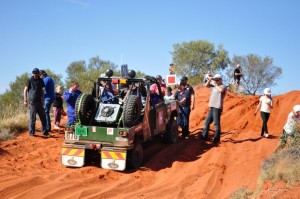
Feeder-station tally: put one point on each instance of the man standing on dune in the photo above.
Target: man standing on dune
(215, 104)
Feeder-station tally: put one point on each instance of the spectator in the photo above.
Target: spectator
(183, 96)
(34, 98)
(57, 107)
(206, 76)
(291, 125)
(169, 94)
(154, 87)
(184, 79)
(237, 74)
(108, 94)
(265, 102)
(172, 69)
(49, 96)
(70, 96)
(215, 105)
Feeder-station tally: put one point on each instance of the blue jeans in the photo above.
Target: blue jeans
(47, 107)
(183, 120)
(37, 108)
(214, 115)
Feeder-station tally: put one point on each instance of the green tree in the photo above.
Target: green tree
(85, 75)
(195, 58)
(258, 72)
(12, 101)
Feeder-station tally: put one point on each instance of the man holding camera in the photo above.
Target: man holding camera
(215, 104)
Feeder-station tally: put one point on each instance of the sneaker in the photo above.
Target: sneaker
(267, 135)
(46, 135)
(56, 127)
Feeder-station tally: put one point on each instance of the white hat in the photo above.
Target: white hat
(267, 91)
(217, 76)
(102, 75)
(238, 65)
(296, 108)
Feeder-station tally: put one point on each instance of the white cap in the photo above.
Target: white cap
(267, 91)
(217, 76)
(102, 75)
(238, 65)
(296, 108)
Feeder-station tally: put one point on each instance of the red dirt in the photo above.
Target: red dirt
(30, 167)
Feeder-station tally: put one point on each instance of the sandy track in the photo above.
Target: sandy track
(30, 166)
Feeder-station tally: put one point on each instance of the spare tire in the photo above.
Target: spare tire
(85, 108)
(132, 110)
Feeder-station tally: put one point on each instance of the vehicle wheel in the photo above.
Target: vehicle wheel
(132, 110)
(171, 134)
(85, 108)
(135, 157)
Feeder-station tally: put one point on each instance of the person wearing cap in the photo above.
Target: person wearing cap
(70, 96)
(34, 99)
(237, 74)
(49, 96)
(188, 87)
(265, 104)
(291, 125)
(215, 105)
(184, 97)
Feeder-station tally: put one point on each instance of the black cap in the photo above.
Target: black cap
(169, 89)
(42, 72)
(184, 78)
(158, 77)
(35, 71)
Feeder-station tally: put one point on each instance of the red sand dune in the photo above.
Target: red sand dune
(30, 166)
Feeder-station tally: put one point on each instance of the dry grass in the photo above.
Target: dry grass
(10, 126)
(242, 193)
(283, 166)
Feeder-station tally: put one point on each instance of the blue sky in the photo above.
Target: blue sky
(53, 33)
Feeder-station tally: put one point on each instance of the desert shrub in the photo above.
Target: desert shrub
(242, 193)
(10, 126)
(283, 166)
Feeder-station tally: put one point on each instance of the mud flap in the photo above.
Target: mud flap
(72, 157)
(113, 160)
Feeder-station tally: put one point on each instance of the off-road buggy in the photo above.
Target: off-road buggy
(116, 125)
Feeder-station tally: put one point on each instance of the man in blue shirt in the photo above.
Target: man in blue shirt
(70, 96)
(49, 96)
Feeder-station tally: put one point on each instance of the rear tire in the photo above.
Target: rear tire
(135, 157)
(171, 134)
(85, 108)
